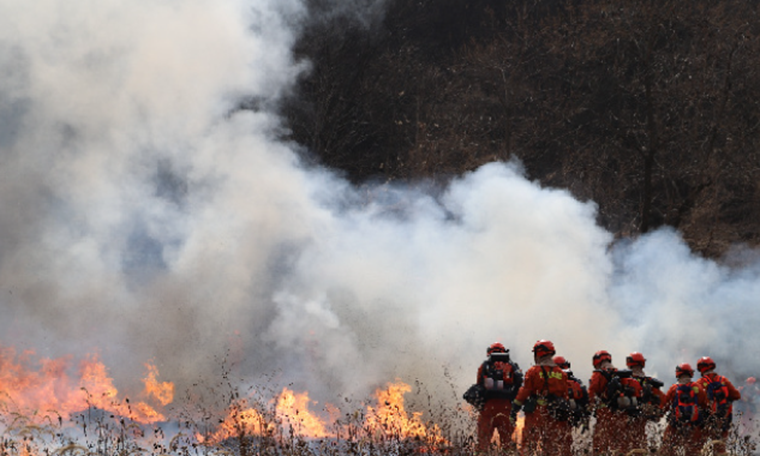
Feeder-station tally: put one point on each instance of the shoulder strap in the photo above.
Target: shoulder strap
(546, 379)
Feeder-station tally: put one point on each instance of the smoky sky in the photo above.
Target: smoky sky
(144, 217)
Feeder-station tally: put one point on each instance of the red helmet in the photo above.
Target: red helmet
(543, 348)
(751, 380)
(705, 364)
(635, 359)
(600, 357)
(561, 362)
(684, 369)
(496, 347)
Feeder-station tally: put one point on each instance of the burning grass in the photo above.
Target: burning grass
(48, 412)
(284, 425)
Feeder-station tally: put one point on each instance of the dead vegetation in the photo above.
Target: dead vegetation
(650, 109)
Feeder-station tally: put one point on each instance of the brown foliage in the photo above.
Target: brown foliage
(649, 108)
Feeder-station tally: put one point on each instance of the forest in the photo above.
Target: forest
(647, 108)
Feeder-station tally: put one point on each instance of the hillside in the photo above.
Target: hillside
(650, 109)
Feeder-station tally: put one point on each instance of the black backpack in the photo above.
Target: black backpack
(685, 410)
(717, 397)
(475, 396)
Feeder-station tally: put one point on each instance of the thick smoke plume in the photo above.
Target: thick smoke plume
(144, 216)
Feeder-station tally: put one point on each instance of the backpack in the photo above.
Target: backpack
(475, 396)
(648, 386)
(650, 401)
(717, 397)
(578, 399)
(501, 378)
(623, 392)
(685, 409)
(575, 390)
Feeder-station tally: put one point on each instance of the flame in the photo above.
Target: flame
(291, 409)
(519, 426)
(44, 389)
(294, 408)
(163, 391)
(241, 420)
(390, 417)
(50, 388)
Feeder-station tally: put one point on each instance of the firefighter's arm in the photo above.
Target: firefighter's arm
(597, 386)
(733, 393)
(701, 396)
(659, 395)
(517, 404)
(517, 375)
(525, 391)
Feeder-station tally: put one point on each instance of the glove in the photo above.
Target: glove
(516, 407)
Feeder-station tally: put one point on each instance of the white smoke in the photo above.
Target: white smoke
(144, 216)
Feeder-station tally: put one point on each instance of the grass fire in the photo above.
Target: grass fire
(47, 410)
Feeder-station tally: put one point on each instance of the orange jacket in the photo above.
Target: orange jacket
(655, 395)
(733, 393)
(670, 396)
(542, 381)
(597, 388)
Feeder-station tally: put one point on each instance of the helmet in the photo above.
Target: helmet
(496, 347)
(635, 359)
(684, 369)
(600, 357)
(751, 380)
(561, 362)
(543, 348)
(705, 364)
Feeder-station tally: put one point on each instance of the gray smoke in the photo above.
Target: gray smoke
(144, 217)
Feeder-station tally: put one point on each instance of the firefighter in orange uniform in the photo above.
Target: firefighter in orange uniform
(683, 403)
(747, 405)
(544, 400)
(500, 378)
(721, 394)
(577, 395)
(614, 398)
(650, 404)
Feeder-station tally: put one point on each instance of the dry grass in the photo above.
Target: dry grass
(94, 432)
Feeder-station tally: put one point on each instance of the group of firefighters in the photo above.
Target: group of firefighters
(622, 402)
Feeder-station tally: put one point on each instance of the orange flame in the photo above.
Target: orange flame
(294, 408)
(37, 388)
(162, 391)
(291, 409)
(391, 418)
(519, 426)
(241, 420)
(50, 389)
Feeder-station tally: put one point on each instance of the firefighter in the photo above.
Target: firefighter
(613, 396)
(650, 404)
(721, 394)
(683, 404)
(746, 407)
(500, 378)
(577, 395)
(544, 400)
